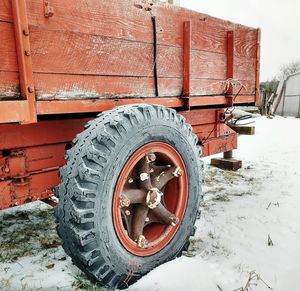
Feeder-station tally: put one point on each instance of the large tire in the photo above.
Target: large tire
(87, 191)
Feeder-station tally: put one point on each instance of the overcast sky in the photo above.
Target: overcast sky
(278, 20)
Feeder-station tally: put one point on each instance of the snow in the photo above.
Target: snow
(237, 217)
(240, 210)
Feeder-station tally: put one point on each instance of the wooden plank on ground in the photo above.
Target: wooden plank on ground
(243, 129)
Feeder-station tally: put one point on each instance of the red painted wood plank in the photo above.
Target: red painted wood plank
(244, 68)
(51, 86)
(8, 59)
(56, 52)
(5, 10)
(9, 85)
(121, 19)
(245, 42)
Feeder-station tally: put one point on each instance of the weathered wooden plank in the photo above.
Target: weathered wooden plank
(121, 19)
(245, 42)
(243, 130)
(244, 68)
(8, 56)
(9, 85)
(226, 164)
(56, 86)
(5, 10)
(52, 86)
(116, 42)
(73, 53)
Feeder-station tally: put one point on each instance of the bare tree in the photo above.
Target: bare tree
(289, 69)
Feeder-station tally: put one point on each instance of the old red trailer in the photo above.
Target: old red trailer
(161, 78)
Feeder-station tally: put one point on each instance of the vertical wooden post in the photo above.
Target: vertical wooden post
(186, 63)
(24, 58)
(230, 59)
(257, 84)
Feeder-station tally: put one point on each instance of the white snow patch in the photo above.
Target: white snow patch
(232, 236)
(239, 211)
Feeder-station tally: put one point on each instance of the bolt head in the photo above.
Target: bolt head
(144, 177)
(150, 158)
(124, 202)
(142, 242)
(30, 89)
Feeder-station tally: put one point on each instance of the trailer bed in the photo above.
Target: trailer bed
(97, 51)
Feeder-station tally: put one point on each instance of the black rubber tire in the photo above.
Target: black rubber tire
(84, 211)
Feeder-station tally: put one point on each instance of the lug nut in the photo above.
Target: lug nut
(173, 220)
(144, 177)
(150, 158)
(178, 172)
(127, 212)
(124, 202)
(142, 242)
(130, 181)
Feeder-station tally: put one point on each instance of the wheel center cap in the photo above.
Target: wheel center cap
(153, 198)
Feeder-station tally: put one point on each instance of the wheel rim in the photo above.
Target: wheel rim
(150, 199)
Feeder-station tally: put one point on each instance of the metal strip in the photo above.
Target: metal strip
(230, 59)
(155, 55)
(257, 89)
(186, 64)
(27, 89)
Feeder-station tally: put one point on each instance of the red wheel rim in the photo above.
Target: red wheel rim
(150, 199)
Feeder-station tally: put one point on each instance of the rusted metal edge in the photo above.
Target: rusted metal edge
(27, 89)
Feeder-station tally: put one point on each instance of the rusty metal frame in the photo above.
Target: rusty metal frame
(29, 164)
(19, 12)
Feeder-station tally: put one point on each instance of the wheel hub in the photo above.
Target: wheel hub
(153, 198)
(150, 198)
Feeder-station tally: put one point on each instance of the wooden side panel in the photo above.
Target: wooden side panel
(122, 19)
(104, 49)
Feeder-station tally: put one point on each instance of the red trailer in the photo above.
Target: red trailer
(161, 78)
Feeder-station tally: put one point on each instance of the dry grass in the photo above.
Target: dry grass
(26, 233)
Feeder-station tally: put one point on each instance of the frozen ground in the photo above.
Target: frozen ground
(241, 210)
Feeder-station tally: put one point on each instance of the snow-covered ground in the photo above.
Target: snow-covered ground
(250, 226)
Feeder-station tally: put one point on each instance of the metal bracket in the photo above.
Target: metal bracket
(48, 9)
